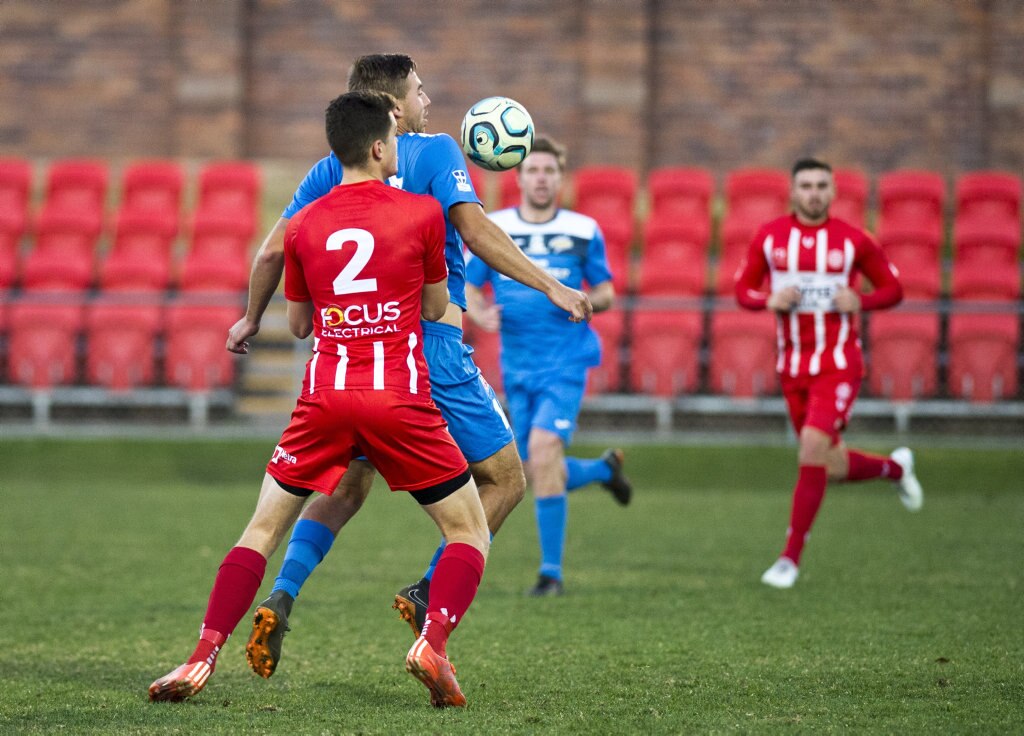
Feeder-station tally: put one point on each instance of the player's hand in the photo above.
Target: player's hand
(487, 319)
(847, 300)
(241, 331)
(576, 303)
(784, 300)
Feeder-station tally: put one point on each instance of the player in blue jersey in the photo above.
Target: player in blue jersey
(544, 358)
(434, 165)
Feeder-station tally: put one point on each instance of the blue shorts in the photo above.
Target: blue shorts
(467, 402)
(549, 400)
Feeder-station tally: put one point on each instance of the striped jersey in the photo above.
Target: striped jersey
(361, 254)
(814, 338)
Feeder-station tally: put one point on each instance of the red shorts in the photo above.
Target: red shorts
(403, 435)
(823, 402)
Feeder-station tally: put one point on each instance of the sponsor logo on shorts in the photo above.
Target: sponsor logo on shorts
(843, 393)
(281, 455)
(562, 424)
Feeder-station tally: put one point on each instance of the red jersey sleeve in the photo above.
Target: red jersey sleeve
(873, 263)
(295, 288)
(435, 268)
(751, 276)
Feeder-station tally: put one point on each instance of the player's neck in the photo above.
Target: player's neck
(353, 175)
(810, 221)
(537, 215)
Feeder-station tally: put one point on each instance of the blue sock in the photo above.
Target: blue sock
(579, 472)
(309, 544)
(429, 574)
(552, 514)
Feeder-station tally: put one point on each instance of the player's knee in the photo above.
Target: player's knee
(814, 446)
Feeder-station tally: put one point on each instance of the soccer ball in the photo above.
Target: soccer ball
(497, 133)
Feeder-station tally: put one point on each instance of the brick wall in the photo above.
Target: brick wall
(643, 83)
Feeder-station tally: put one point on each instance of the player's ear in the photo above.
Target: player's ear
(377, 150)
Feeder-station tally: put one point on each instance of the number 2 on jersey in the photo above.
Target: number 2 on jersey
(346, 282)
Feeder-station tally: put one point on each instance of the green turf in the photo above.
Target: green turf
(900, 623)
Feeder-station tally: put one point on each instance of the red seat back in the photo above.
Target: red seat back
(681, 193)
(902, 362)
(991, 242)
(607, 377)
(978, 280)
(665, 353)
(988, 195)
(756, 195)
(15, 194)
(911, 196)
(851, 200)
(743, 354)
(43, 343)
(121, 344)
(983, 356)
(674, 258)
(195, 357)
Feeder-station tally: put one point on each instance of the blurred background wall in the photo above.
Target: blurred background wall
(643, 83)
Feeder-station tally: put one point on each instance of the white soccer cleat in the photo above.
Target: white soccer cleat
(909, 487)
(782, 574)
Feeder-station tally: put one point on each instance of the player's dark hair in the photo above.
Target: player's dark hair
(804, 164)
(549, 145)
(355, 120)
(381, 72)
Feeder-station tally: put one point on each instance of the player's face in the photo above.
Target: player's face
(389, 161)
(414, 106)
(540, 180)
(812, 193)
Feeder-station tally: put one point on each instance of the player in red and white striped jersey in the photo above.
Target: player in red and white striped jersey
(364, 264)
(812, 263)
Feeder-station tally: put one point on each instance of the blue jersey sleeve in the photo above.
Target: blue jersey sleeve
(595, 269)
(449, 181)
(322, 178)
(478, 273)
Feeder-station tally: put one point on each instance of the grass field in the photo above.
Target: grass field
(900, 623)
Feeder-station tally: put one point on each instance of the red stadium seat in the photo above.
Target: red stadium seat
(988, 196)
(608, 194)
(121, 344)
(915, 250)
(665, 355)
(486, 353)
(610, 328)
(64, 253)
(681, 193)
(737, 235)
(15, 194)
(674, 260)
(911, 196)
(77, 185)
(977, 280)
(903, 360)
(10, 245)
(756, 195)
(154, 188)
(725, 272)
(850, 203)
(994, 243)
(218, 256)
(42, 342)
(983, 356)
(140, 258)
(230, 189)
(195, 358)
(213, 274)
(743, 354)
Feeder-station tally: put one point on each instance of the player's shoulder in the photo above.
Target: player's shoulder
(421, 203)
(847, 230)
(428, 142)
(505, 218)
(576, 223)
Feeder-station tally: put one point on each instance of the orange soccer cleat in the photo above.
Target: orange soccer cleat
(183, 682)
(437, 673)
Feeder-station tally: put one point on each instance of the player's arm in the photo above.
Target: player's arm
(491, 244)
(267, 267)
(887, 290)
(435, 300)
(300, 318)
(602, 296)
(268, 263)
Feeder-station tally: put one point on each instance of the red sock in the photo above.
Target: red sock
(234, 590)
(807, 496)
(865, 467)
(452, 589)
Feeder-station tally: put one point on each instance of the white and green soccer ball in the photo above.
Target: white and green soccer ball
(497, 133)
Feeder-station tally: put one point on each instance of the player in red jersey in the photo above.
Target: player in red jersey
(812, 263)
(364, 264)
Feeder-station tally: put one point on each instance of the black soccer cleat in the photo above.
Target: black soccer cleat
(546, 585)
(269, 625)
(411, 604)
(619, 484)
